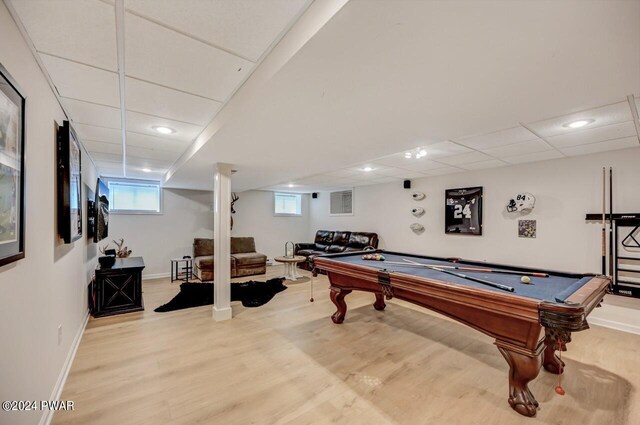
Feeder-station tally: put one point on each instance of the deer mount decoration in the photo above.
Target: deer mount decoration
(121, 252)
(234, 198)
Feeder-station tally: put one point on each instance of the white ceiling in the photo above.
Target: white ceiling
(478, 84)
(613, 128)
(182, 62)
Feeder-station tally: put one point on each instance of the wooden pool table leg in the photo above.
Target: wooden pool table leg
(337, 297)
(555, 340)
(523, 368)
(379, 304)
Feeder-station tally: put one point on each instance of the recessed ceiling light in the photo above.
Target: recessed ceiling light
(578, 124)
(408, 155)
(163, 130)
(290, 185)
(146, 170)
(423, 152)
(367, 169)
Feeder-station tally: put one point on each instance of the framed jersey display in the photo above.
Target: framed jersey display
(463, 211)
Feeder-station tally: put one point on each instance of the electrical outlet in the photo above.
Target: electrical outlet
(59, 334)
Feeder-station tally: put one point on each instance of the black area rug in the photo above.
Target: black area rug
(252, 294)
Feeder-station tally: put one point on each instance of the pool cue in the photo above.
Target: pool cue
(475, 279)
(463, 276)
(610, 221)
(479, 269)
(604, 222)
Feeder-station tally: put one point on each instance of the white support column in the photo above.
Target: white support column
(222, 242)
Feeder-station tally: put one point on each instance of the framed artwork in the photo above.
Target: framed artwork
(527, 228)
(463, 211)
(12, 200)
(69, 184)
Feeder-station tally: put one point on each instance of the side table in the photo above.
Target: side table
(181, 272)
(290, 272)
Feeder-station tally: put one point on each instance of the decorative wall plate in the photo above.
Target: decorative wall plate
(418, 196)
(417, 228)
(418, 211)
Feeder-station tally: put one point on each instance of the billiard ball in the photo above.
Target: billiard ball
(525, 279)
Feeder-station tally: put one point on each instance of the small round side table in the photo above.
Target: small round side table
(290, 272)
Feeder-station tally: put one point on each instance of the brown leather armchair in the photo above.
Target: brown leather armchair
(333, 242)
(245, 261)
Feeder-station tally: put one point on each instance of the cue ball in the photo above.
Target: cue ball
(525, 279)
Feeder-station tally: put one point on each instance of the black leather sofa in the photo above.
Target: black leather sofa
(333, 242)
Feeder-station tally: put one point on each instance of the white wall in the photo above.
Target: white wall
(254, 217)
(565, 190)
(186, 214)
(48, 287)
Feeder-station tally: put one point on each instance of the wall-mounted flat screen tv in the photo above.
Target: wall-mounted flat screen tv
(69, 184)
(101, 208)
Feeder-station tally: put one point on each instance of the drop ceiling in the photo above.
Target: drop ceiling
(612, 128)
(182, 61)
(309, 93)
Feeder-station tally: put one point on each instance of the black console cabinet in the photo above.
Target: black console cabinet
(118, 289)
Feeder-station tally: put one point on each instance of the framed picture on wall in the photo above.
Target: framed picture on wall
(69, 184)
(463, 211)
(12, 201)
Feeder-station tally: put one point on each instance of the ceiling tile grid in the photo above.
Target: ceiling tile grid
(609, 128)
(182, 60)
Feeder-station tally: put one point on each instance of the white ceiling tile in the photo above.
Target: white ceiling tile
(84, 31)
(104, 157)
(443, 171)
(154, 142)
(134, 161)
(593, 135)
(499, 138)
(530, 146)
(98, 134)
(444, 149)
(533, 157)
(482, 165)
(245, 27)
(605, 115)
(342, 173)
(395, 160)
(465, 158)
(414, 175)
(152, 153)
(142, 123)
(168, 103)
(624, 143)
(92, 114)
(422, 164)
(101, 147)
(393, 172)
(83, 82)
(162, 56)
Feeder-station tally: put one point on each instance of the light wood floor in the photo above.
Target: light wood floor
(287, 363)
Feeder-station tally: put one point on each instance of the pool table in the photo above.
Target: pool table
(557, 304)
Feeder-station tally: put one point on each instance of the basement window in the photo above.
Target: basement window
(129, 196)
(287, 204)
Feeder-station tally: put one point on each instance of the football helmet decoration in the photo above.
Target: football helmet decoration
(522, 202)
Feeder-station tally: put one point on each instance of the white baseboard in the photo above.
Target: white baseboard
(619, 326)
(155, 276)
(47, 416)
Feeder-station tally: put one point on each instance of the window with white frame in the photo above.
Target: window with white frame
(341, 203)
(129, 196)
(287, 204)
